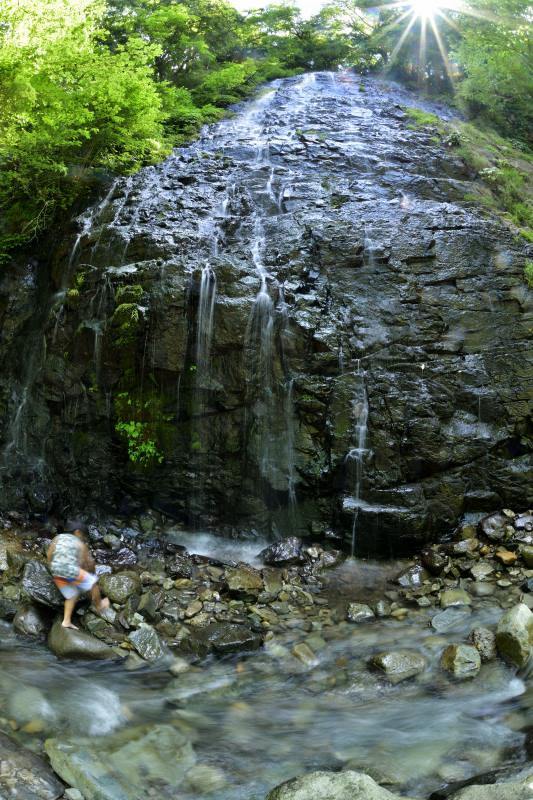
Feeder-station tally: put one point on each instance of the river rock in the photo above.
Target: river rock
(434, 561)
(454, 597)
(283, 553)
(24, 775)
(484, 640)
(31, 621)
(244, 580)
(28, 704)
(8, 608)
(70, 643)
(521, 790)
(493, 526)
(147, 643)
(39, 585)
(481, 570)
(413, 577)
(180, 566)
(222, 638)
(331, 786)
(121, 586)
(514, 635)
(506, 557)
(451, 619)
(462, 660)
(359, 612)
(124, 766)
(526, 551)
(399, 665)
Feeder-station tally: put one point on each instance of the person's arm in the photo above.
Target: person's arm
(51, 550)
(87, 561)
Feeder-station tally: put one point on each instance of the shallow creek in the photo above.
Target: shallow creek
(264, 718)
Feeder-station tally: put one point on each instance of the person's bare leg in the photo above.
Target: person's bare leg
(70, 605)
(100, 603)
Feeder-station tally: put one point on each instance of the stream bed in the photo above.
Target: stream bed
(239, 725)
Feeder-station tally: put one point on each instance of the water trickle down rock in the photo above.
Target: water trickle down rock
(363, 223)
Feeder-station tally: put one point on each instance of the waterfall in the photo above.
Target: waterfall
(357, 454)
(204, 323)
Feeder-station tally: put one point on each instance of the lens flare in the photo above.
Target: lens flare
(425, 9)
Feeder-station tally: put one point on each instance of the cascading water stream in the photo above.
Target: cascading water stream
(357, 454)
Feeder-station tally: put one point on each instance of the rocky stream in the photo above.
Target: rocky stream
(324, 574)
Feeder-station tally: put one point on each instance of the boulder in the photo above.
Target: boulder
(121, 586)
(451, 619)
(484, 640)
(70, 643)
(31, 621)
(454, 597)
(359, 612)
(331, 786)
(28, 704)
(125, 765)
(244, 580)
(39, 585)
(222, 638)
(8, 608)
(461, 660)
(413, 577)
(180, 566)
(434, 561)
(514, 635)
(286, 551)
(517, 790)
(399, 665)
(526, 551)
(493, 526)
(25, 776)
(147, 643)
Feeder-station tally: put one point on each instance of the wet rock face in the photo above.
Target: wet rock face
(322, 325)
(69, 643)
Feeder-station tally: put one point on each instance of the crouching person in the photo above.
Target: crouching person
(73, 568)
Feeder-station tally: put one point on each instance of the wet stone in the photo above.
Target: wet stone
(31, 621)
(223, 638)
(39, 585)
(24, 775)
(434, 561)
(493, 526)
(244, 580)
(399, 665)
(346, 785)
(462, 660)
(484, 640)
(283, 553)
(147, 643)
(506, 557)
(451, 619)
(69, 643)
(121, 586)
(526, 552)
(514, 635)
(413, 577)
(481, 570)
(455, 597)
(359, 612)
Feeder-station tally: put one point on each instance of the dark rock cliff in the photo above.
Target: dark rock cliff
(303, 317)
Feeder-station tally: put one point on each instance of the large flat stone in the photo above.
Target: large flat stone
(69, 643)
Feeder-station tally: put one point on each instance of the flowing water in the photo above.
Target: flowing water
(267, 717)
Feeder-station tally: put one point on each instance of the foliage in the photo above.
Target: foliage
(528, 273)
(496, 56)
(505, 169)
(137, 423)
(92, 87)
(141, 448)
